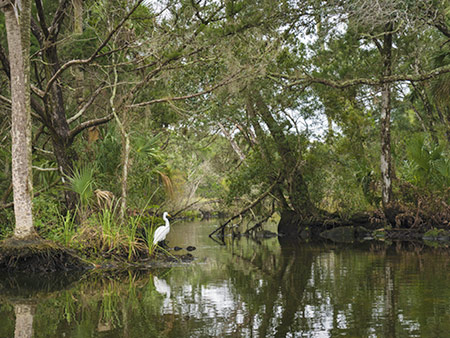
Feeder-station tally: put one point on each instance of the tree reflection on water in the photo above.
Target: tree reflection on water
(248, 288)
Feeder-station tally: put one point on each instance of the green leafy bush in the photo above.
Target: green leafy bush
(427, 164)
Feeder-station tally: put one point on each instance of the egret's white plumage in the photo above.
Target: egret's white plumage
(162, 231)
(161, 286)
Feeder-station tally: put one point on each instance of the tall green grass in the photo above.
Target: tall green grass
(111, 228)
(68, 222)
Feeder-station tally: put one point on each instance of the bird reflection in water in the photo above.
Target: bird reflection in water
(163, 288)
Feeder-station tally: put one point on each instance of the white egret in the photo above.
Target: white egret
(162, 231)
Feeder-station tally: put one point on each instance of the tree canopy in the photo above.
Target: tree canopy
(313, 107)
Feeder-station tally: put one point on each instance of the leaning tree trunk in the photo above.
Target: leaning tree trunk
(297, 189)
(17, 20)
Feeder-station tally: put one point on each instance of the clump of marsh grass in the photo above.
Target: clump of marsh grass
(68, 227)
(103, 233)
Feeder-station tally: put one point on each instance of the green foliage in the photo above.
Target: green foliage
(427, 165)
(149, 171)
(107, 152)
(339, 182)
(149, 234)
(107, 222)
(81, 46)
(46, 216)
(178, 152)
(251, 178)
(436, 234)
(68, 227)
(133, 223)
(45, 178)
(82, 182)
(6, 223)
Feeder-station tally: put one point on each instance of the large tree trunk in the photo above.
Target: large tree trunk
(260, 143)
(18, 35)
(386, 163)
(65, 155)
(297, 189)
(59, 127)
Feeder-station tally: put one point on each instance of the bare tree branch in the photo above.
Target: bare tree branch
(233, 143)
(57, 20)
(86, 105)
(37, 32)
(94, 55)
(92, 123)
(185, 97)
(41, 19)
(247, 208)
(44, 169)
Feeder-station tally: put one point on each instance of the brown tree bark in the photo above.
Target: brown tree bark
(258, 140)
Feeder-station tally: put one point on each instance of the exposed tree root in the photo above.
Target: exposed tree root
(36, 255)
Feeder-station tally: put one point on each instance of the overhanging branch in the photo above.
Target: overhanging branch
(185, 97)
(342, 84)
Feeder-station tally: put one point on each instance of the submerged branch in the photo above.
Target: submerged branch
(247, 208)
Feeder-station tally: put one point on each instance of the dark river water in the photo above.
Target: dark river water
(245, 288)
